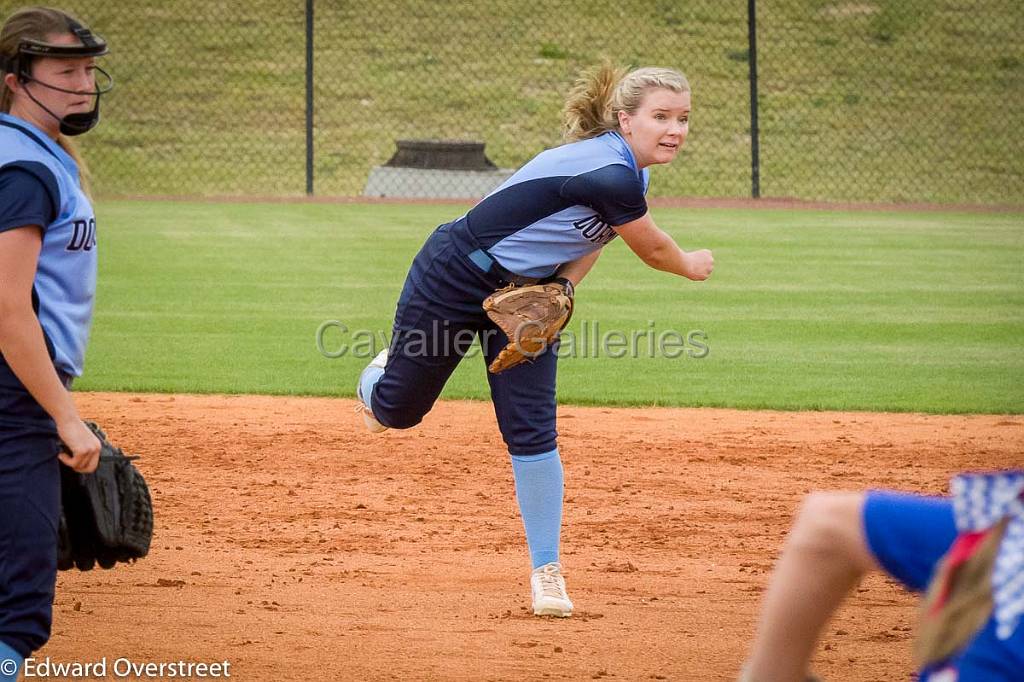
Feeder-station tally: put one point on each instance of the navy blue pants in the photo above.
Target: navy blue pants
(29, 513)
(439, 314)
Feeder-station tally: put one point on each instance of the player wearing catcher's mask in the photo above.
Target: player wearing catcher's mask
(546, 224)
(47, 283)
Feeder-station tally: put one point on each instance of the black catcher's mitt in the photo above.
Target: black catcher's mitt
(106, 516)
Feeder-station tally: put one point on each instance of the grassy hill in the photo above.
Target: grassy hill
(875, 101)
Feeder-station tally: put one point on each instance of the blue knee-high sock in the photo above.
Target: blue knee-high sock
(10, 663)
(539, 490)
(369, 377)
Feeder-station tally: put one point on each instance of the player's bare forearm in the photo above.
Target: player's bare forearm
(659, 251)
(24, 349)
(21, 338)
(668, 257)
(576, 270)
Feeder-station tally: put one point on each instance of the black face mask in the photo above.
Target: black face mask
(91, 46)
(76, 124)
(83, 122)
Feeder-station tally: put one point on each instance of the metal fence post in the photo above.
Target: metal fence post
(309, 97)
(755, 145)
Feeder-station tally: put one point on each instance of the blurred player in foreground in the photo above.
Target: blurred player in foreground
(966, 549)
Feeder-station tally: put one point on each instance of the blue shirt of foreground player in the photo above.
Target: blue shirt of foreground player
(562, 205)
(908, 534)
(39, 185)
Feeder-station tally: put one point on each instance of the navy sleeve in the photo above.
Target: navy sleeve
(616, 192)
(28, 196)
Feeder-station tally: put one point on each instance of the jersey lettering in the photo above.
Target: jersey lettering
(595, 230)
(83, 237)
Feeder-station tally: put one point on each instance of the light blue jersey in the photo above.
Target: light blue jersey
(39, 185)
(560, 206)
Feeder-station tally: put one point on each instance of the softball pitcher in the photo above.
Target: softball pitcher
(547, 223)
(47, 282)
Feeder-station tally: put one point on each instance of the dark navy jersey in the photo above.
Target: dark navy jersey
(39, 185)
(563, 204)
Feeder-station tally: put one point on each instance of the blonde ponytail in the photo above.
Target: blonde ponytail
(84, 177)
(967, 591)
(588, 108)
(594, 103)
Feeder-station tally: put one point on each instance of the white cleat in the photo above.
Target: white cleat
(369, 420)
(549, 596)
(374, 426)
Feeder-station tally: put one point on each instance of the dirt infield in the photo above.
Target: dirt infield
(295, 546)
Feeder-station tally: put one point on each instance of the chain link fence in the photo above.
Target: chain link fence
(883, 101)
(908, 100)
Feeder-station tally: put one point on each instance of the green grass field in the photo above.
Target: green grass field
(806, 309)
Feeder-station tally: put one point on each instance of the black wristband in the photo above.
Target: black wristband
(570, 290)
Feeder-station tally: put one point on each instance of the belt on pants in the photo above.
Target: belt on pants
(486, 262)
(465, 241)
